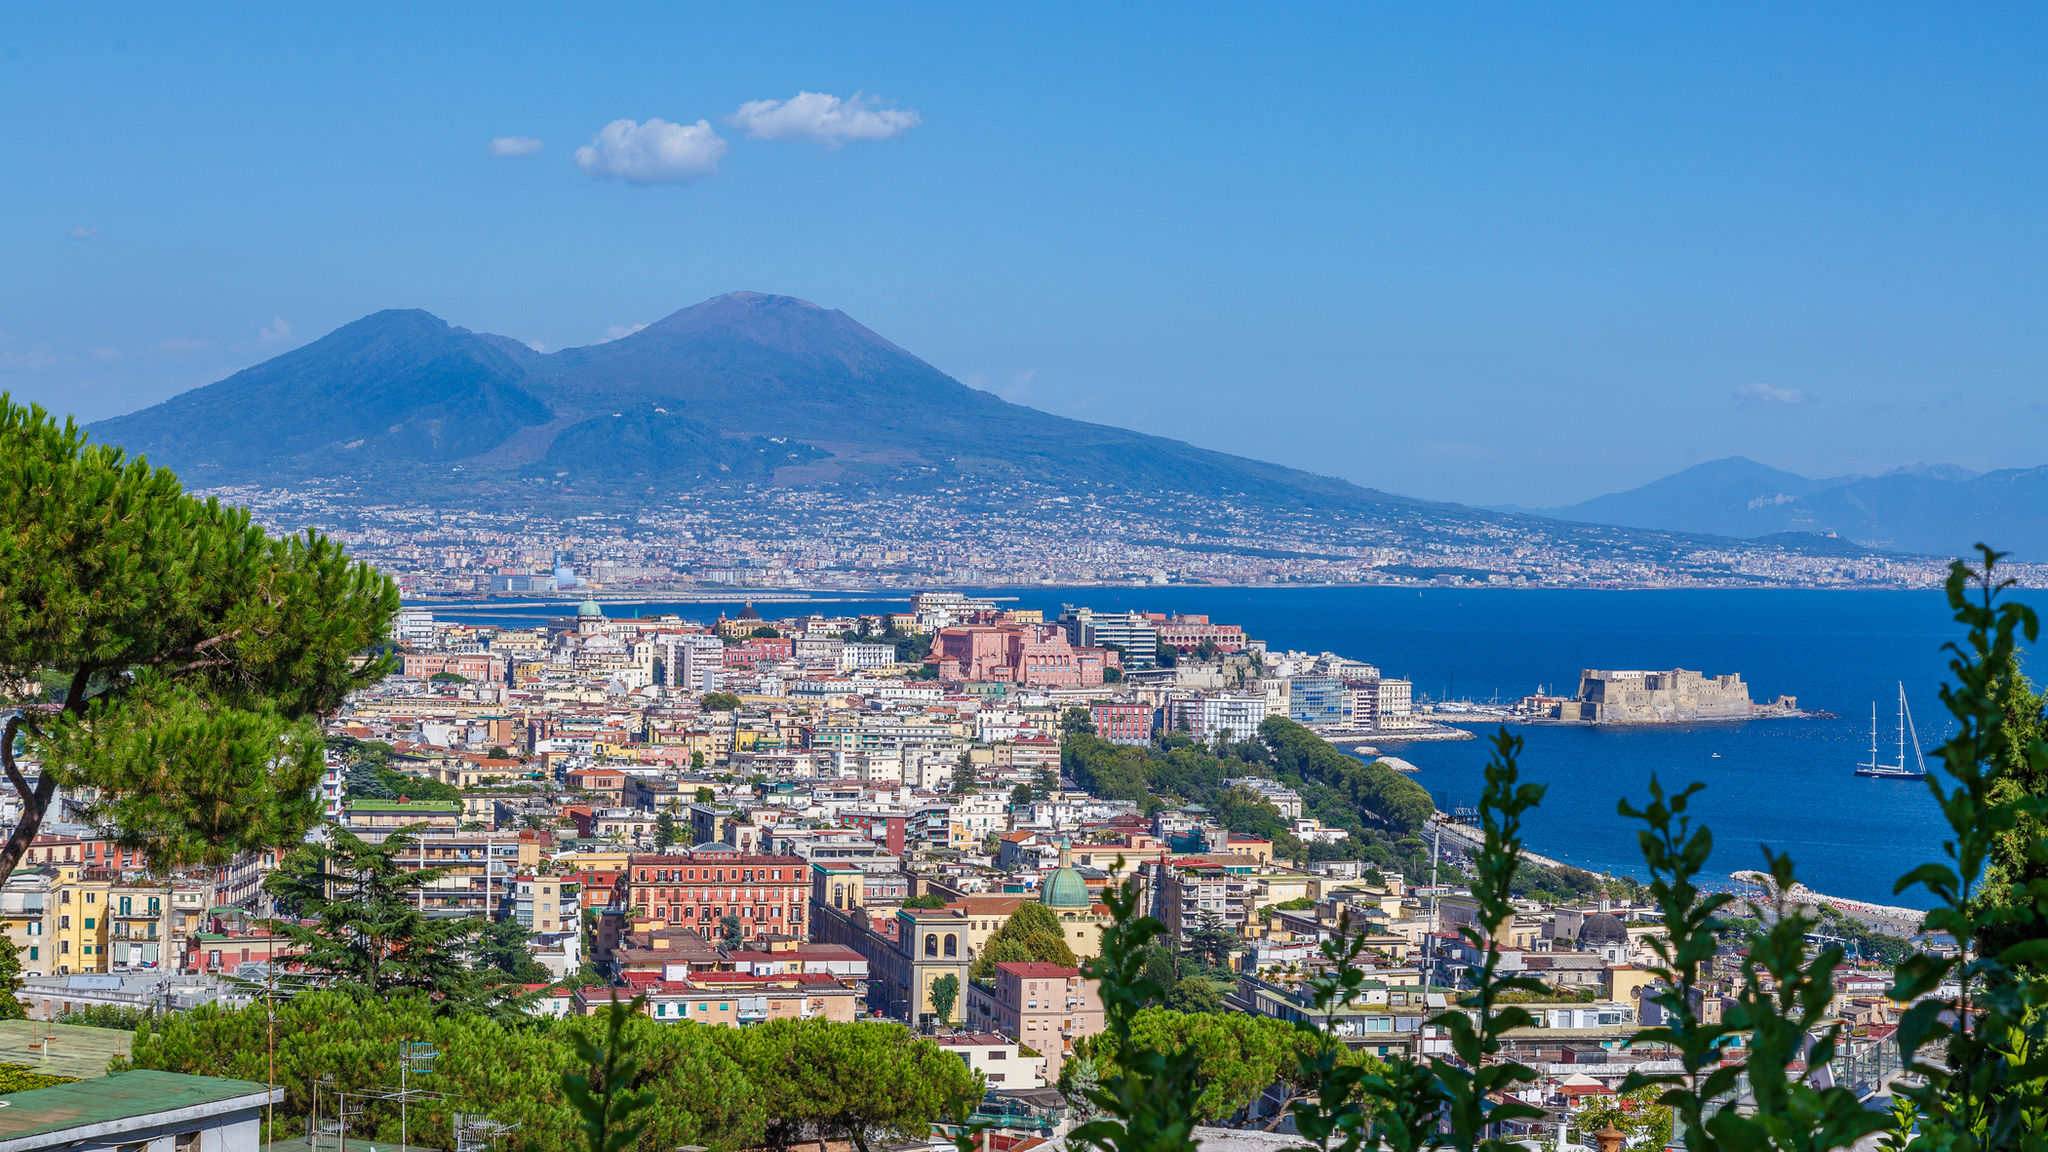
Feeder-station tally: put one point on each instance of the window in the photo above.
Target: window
(35, 952)
(90, 924)
(63, 947)
(92, 897)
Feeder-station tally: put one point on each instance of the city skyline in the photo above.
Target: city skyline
(1638, 241)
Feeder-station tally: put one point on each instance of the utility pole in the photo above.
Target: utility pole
(1435, 923)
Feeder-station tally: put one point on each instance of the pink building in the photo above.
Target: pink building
(1045, 1006)
(1031, 654)
(1187, 632)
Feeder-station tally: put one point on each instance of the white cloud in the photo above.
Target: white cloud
(537, 346)
(825, 118)
(656, 152)
(514, 145)
(82, 233)
(275, 331)
(1766, 394)
(619, 331)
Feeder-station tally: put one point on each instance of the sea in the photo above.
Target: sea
(1782, 783)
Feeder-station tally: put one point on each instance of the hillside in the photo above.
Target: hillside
(741, 388)
(747, 394)
(1940, 510)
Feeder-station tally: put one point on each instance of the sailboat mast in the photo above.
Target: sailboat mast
(1902, 725)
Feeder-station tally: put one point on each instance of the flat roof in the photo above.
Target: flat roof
(141, 1092)
(79, 1051)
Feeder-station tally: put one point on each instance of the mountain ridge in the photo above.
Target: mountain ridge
(747, 393)
(401, 393)
(1936, 509)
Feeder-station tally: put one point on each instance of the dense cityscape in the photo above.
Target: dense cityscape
(1023, 578)
(809, 539)
(907, 817)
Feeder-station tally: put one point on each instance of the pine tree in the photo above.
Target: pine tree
(186, 654)
(369, 924)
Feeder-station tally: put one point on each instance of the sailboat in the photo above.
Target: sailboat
(1897, 771)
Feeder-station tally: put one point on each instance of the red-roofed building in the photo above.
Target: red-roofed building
(1045, 1006)
(766, 894)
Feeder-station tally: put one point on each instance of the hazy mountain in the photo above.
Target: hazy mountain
(1940, 509)
(394, 388)
(746, 390)
(743, 387)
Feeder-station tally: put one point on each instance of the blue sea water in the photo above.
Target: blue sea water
(1782, 783)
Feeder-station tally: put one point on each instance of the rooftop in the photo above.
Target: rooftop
(78, 1051)
(117, 1097)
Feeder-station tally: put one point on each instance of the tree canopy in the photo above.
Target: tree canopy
(1239, 1056)
(365, 925)
(1032, 933)
(187, 651)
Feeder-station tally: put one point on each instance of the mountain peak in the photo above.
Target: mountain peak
(742, 310)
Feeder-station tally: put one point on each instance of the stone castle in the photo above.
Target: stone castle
(1607, 697)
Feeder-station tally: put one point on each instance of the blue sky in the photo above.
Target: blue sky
(1495, 254)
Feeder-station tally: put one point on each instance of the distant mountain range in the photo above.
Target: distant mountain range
(746, 392)
(1938, 509)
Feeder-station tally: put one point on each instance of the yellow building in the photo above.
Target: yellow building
(82, 929)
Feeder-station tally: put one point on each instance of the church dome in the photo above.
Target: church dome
(1065, 889)
(747, 612)
(589, 608)
(1601, 928)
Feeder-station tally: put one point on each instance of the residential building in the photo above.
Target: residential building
(698, 889)
(1003, 1068)
(1123, 723)
(1211, 714)
(1045, 1006)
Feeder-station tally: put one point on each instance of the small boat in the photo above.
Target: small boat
(1713, 756)
(1898, 771)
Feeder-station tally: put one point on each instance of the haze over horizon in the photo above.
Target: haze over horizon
(1632, 240)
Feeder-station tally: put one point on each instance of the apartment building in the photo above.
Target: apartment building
(698, 889)
(1046, 1007)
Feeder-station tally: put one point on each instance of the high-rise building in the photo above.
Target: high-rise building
(1130, 632)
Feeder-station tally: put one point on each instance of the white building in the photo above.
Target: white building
(1383, 704)
(1212, 713)
(861, 656)
(414, 627)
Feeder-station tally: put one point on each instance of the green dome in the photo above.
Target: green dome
(1065, 889)
(589, 608)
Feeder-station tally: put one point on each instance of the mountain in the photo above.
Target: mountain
(394, 388)
(1935, 509)
(747, 394)
(741, 388)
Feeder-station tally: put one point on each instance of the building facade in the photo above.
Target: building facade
(767, 894)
